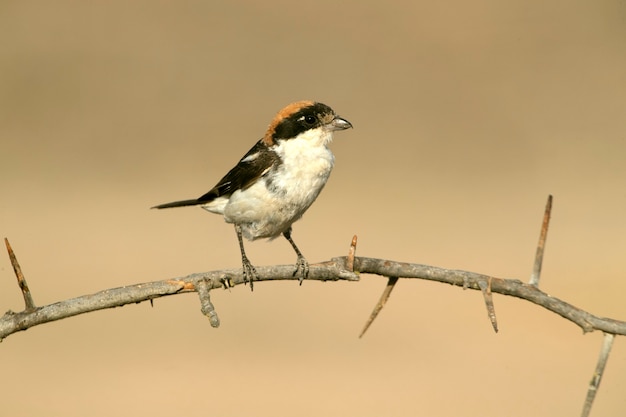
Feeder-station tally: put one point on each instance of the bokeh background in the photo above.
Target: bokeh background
(466, 114)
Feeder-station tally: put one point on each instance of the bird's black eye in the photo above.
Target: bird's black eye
(310, 119)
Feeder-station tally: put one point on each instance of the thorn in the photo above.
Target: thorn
(381, 303)
(534, 278)
(485, 288)
(351, 253)
(607, 343)
(21, 281)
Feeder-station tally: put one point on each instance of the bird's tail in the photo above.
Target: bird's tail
(181, 203)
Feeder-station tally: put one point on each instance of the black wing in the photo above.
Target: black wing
(256, 163)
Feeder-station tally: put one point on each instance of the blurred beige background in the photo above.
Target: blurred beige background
(467, 115)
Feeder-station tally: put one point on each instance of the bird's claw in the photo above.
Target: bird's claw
(249, 272)
(302, 266)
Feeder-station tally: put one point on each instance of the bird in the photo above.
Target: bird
(277, 180)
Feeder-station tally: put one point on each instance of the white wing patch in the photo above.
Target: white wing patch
(251, 158)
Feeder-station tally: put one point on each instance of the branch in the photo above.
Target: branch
(512, 287)
(340, 268)
(13, 322)
(485, 287)
(333, 270)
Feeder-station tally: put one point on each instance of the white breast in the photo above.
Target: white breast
(268, 208)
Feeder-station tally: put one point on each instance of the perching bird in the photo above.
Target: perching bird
(277, 180)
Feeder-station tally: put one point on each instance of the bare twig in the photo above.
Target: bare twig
(607, 343)
(391, 283)
(485, 288)
(21, 280)
(332, 270)
(534, 278)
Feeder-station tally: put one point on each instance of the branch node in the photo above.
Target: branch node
(340, 265)
(381, 303)
(21, 280)
(534, 278)
(485, 288)
(207, 308)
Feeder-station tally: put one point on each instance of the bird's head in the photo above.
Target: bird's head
(305, 119)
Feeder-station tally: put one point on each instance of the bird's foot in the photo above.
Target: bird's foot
(302, 266)
(249, 272)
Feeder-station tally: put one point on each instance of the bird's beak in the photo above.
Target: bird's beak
(340, 124)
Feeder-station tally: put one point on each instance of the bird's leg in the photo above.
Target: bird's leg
(249, 273)
(301, 264)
